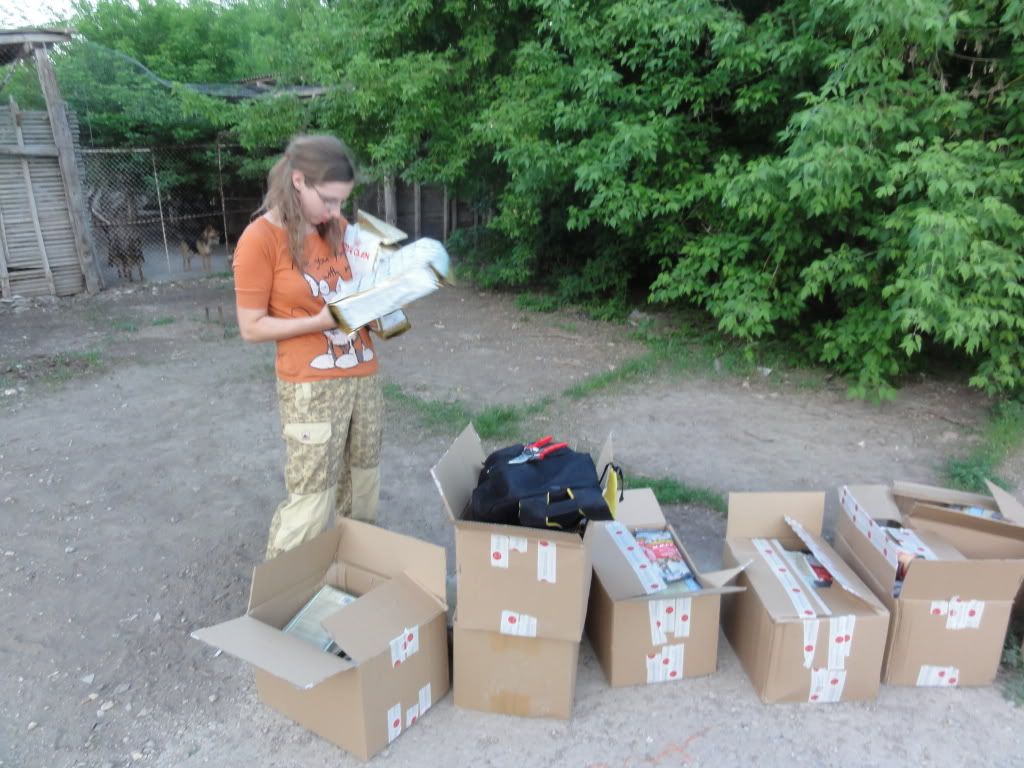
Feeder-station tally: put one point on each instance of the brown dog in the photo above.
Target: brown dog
(200, 247)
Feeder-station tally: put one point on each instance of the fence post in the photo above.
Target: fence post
(160, 207)
(223, 209)
(416, 211)
(390, 201)
(444, 215)
(61, 128)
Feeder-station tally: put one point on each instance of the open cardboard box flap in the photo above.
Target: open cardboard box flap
(388, 234)
(763, 515)
(1011, 509)
(304, 564)
(841, 572)
(268, 648)
(1008, 505)
(639, 509)
(366, 627)
(967, 579)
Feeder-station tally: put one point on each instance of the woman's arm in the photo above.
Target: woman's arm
(256, 325)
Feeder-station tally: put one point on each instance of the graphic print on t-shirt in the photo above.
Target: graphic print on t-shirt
(342, 350)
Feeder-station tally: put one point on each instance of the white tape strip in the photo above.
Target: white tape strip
(665, 665)
(405, 645)
(518, 624)
(959, 614)
(425, 700)
(499, 551)
(810, 641)
(669, 617)
(840, 640)
(650, 579)
(930, 676)
(394, 722)
(822, 556)
(910, 542)
(826, 685)
(412, 714)
(796, 588)
(518, 543)
(889, 541)
(546, 561)
(805, 586)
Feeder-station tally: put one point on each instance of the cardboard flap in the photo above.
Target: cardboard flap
(876, 501)
(308, 561)
(639, 508)
(936, 495)
(457, 473)
(719, 579)
(1011, 509)
(283, 656)
(833, 565)
(967, 579)
(620, 581)
(388, 553)
(366, 627)
(763, 515)
(389, 235)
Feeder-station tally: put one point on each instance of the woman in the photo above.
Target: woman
(288, 263)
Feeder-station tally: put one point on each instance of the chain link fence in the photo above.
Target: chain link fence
(160, 213)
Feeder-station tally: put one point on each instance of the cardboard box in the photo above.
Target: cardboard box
(395, 634)
(510, 579)
(521, 600)
(795, 641)
(525, 676)
(638, 635)
(941, 510)
(949, 620)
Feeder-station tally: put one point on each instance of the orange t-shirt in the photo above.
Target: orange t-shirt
(266, 278)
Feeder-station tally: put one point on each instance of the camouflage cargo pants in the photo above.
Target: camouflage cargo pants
(332, 432)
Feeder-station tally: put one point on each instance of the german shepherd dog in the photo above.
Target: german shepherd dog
(200, 247)
(115, 215)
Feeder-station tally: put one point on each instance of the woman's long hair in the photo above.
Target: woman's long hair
(322, 159)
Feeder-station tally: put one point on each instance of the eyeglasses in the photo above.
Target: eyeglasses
(330, 203)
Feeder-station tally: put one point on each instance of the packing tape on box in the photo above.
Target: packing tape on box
(650, 579)
(826, 685)
(425, 700)
(501, 546)
(931, 676)
(518, 624)
(888, 541)
(840, 640)
(394, 722)
(547, 554)
(666, 664)
(959, 614)
(811, 627)
(669, 617)
(405, 645)
(822, 556)
(799, 591)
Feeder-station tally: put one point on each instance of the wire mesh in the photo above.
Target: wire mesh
(166, 212)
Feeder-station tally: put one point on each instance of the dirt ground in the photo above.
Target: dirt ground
(136, 487)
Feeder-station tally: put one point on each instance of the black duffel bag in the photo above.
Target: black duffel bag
(558, 491)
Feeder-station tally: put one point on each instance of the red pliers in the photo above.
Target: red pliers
(538, 450)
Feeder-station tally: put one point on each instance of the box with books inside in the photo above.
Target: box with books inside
(806, 629)
(653, 616)
(347, 634)
(949, 610)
